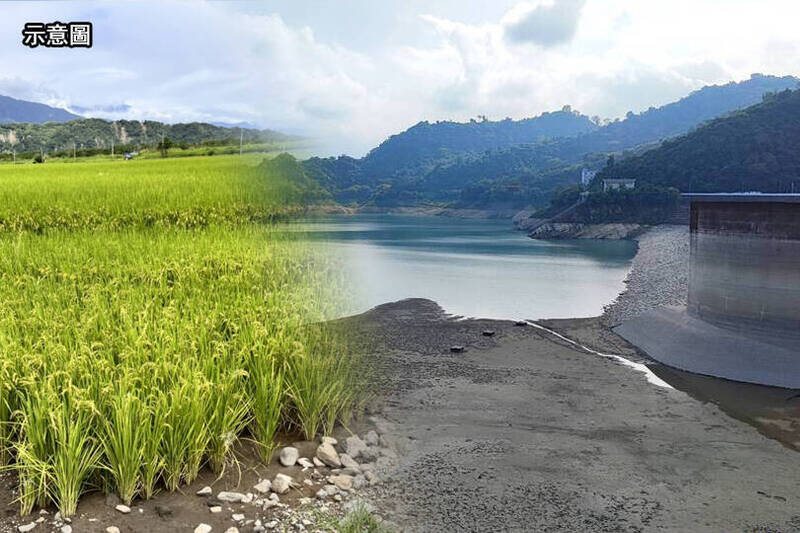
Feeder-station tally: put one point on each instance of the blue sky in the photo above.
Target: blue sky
(352, 72)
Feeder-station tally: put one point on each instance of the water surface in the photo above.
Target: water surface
(475, 268)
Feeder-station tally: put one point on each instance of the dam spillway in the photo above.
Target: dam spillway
(742, 320)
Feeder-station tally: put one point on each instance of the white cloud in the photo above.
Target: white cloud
(222, 61)
(546, 23)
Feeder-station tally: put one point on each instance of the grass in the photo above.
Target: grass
(357, 520)
(136, 347)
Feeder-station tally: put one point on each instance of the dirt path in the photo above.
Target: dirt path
(523, 433)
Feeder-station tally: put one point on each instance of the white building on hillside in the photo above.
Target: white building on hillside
(587, 176)
(618, 184)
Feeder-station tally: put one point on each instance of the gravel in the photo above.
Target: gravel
(659, 275)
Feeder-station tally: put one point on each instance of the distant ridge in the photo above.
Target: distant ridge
(13, 110)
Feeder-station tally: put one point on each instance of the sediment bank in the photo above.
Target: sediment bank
(522, 431)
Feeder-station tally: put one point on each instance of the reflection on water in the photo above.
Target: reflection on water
(478, 268)
(773, 411)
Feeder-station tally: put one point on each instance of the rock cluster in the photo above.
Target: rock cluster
(323, 484)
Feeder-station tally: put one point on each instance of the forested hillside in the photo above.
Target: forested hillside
(432, 163)
(756, 149)
(97, 133)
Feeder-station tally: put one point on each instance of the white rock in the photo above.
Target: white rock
(327, 454)
(289, 456)
(354, 446)
(305, 463)
(231, 497)
(112, 529)
(282, 483)
(274, 497)
(272, 524)
(237, 517)
(232, 530)
(124, 509)
(205, 491)
(329, 440)
(308, 482)
(248, 498)
(331, 489)
(337, 497)
(40, 520)
(26, 527)
(304, 501)
(349, 462)
(216, 509)
(359, 481)
(264, 486)
(371, 438)
(317, 462)
(66, 529)
(371, 476)
(342, 482)
(322, 494)
(202, 528)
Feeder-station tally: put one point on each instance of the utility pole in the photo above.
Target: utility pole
(241, 141)
(74, 152)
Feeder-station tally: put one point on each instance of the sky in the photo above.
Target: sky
(350, 73)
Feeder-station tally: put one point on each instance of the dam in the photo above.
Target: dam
(742, 318)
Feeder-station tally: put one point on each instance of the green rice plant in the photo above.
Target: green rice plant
(266, 389)
(185, 434)
(152, 460)
(228, 413)
(123, 439)
(75, 457)
(35, 449)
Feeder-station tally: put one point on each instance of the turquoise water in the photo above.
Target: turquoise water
(476, 268)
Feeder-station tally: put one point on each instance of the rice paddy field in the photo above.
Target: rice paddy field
(153, 313)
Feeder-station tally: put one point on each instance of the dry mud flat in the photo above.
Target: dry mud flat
(523, 432)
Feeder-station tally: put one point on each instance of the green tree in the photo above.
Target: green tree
(164, 146)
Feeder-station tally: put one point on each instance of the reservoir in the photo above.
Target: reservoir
(475, 268)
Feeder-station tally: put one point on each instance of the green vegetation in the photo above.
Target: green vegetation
(127, 135)
(752, 150)
(152, 314)
(357, 520)
(508, 164)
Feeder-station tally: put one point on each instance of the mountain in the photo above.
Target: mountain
(13, 110)
(98, 133)
(754, 149)
(409, 155)
(484, 169)
(426, 141)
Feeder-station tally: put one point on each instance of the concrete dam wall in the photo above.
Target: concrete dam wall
(742, 320)
(745, 266)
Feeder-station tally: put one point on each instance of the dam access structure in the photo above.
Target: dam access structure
(742, 320)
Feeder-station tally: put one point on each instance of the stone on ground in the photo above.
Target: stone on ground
(289, 456)
(264, 486)
(305, 463)
(205, 491)
(202, 528)
(27, 527)
(124, 509)
(371, 438)
(327, 454)
(342, 481)
(231, 497)
(354, 446)
(282, 483)
(329, 440)
(112, 529)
